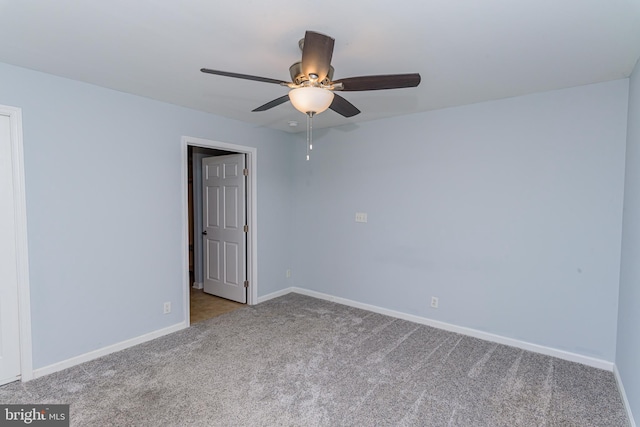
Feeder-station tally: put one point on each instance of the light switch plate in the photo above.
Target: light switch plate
(361, 217)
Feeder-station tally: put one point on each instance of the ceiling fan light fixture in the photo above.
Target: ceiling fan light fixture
(312, 83)
(310, 99)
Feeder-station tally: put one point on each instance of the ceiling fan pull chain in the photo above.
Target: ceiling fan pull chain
(308, 142)
(311, 114)
(309, 133)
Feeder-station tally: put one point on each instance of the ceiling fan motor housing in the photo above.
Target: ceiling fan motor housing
(299, 78)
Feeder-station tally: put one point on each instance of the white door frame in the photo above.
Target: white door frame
(22, 254)
(252, 219)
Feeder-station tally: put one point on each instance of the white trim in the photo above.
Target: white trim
(276, 294)
(184, 188)
(197, 285)
(625, 401)
(86, 357)
(548, 351)
(22, 252)
(252, 213)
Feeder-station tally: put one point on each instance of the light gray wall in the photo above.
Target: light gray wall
(509, 211)
(104, 208)
(628, 349)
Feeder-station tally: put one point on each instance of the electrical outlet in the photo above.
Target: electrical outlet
(288, 274)
(167, 308)
(434, 302)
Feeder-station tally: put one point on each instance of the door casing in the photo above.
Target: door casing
(252, 221)
(22, 258)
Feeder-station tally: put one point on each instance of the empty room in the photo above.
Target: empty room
(425, 213)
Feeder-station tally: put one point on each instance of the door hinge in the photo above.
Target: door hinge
(245, 172)
(246, 283)
(246, 228)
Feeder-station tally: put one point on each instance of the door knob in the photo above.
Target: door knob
(204, 232)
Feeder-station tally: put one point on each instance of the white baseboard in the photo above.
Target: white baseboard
(548, 351)
(59, 366)
(624, 396)
(275, 294)
(198, 285)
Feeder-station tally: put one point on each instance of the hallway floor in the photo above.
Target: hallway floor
(205, 306)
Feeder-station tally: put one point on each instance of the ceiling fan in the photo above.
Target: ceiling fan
(312, 85)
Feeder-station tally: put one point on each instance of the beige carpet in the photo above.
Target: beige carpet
(299, 361)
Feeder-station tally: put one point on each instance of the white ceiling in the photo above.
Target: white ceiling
(466, 50)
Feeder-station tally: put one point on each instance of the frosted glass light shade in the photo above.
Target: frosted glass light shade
(311, 99)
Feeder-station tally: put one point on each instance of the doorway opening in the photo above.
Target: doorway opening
(198, 304)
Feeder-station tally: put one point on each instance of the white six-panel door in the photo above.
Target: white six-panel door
(224, 219)
(9, 315)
